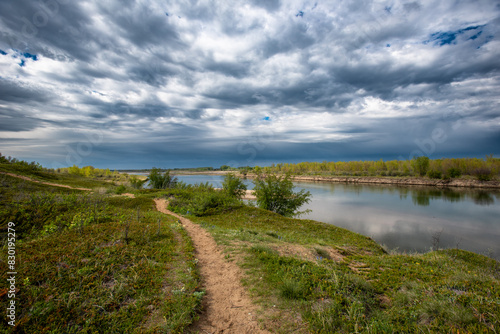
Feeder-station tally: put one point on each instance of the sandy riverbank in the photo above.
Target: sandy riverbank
(402, 181)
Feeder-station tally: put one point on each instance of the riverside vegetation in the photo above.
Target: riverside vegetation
(480, 169)
(92, 262)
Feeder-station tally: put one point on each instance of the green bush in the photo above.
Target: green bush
(209, 203)
(275, 193)
(483, 174)
(453, 172)
(121, 189)
(233, 186)
(202, 200)
(434, 174)
(157, 180)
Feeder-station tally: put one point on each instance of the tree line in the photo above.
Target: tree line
(483, 169)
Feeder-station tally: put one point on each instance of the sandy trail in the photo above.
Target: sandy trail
(41, 182)
(226, 305)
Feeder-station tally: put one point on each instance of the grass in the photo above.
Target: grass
(89, 262)
(338, 281)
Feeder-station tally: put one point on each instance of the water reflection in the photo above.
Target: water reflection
(407, 217)
(423, 196)
(483, 198)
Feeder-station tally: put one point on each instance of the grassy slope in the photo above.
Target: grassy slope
(62, 178)
(94, 263)
(339, 281)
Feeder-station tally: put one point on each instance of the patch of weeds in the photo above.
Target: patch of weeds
(323, 254)
(292, 289)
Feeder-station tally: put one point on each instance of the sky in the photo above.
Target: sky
(141, 84)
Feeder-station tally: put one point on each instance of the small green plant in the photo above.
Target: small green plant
(292, 289)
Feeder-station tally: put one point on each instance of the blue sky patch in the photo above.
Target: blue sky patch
(300, 13)
(450, 37)
(29, 55)
(22, 63)
(267, 118)
(2, 52)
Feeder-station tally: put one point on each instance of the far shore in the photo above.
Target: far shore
(402, 181)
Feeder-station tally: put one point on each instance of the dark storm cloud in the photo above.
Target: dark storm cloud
(39, 26)
(141, 25)
(14, 122)
(198, 81)
(16, 92)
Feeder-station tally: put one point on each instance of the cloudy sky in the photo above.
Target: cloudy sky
(136, 84)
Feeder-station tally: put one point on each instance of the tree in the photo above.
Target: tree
(422, 165)
(275, 193)
(234, 186)
(157, 180)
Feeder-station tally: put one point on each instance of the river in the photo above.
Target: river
(406, 219)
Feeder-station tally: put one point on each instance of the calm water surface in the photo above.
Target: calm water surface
(406, 218)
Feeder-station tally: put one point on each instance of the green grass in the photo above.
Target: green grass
(338, 281)
(95, 263)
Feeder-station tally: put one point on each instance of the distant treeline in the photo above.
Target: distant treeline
(483, 169)
(87, 171)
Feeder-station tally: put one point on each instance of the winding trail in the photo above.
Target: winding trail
(42, 182)
(226, 305)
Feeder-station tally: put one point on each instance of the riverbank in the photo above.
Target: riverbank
(402, 181)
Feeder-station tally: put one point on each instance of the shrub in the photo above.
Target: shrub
(204, 204)
(483, 174)
(121, 189)
(157, 180)
(201, 200)
(434, 174)
(275, 193)
(453, 172)
(233, 186)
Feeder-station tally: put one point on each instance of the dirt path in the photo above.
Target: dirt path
(41, 182)
(227, 307)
